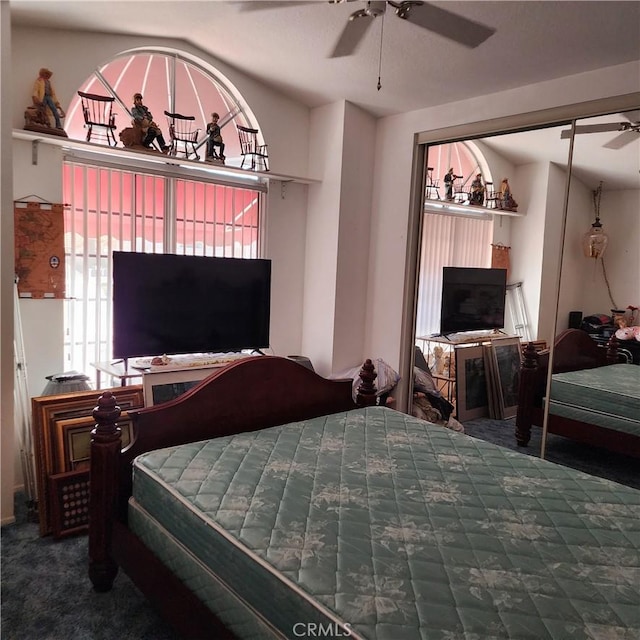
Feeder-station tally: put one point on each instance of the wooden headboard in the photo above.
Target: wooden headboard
(247, 395)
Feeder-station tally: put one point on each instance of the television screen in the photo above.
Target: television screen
(174, 304)
(472, 299)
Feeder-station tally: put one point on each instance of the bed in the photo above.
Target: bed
(266, 503)
(594, 398)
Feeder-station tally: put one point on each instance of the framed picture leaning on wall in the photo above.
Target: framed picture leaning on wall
(471, 383)
(507, 357)
(49, 435)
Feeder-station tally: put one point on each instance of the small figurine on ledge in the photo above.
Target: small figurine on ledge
(215, 139)
(506, 199)
(449, 179)
(143, 118)
(477, 191)
(44, 101)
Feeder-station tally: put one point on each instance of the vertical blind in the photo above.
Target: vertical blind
(119, 210)
(447, 241)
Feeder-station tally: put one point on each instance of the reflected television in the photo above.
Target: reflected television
(473, 299)
(172, 304)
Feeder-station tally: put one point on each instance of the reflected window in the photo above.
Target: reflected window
(465, 160)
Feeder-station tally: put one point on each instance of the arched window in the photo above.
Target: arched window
(460, 236)
(465, 159)
(169, 81)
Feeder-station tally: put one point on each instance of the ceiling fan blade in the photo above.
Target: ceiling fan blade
(254, 5)
(351, 36)
(447, 24)
(625, 138)
(594, 128)
(632, 116)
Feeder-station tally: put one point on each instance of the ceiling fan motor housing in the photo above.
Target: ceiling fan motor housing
(373, 9)
(403, 8)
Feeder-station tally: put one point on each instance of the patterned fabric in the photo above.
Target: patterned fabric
(606, 396)
(398, 529)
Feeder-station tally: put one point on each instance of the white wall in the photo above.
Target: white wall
(285, 235)
(620, 217)
(42, 320)
(577, 275)
(337, 241)
(353, 239)
(527, 238)
(321, 246)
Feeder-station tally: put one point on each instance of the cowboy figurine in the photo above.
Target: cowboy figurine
(45, 97)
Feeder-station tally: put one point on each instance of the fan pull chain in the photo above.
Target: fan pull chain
(380, 58)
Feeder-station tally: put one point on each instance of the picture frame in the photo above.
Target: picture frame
(45, 412)
(495, 410)
(73, 441)
(471, 383)
(69, 498)
(507, 358)
(163, 386)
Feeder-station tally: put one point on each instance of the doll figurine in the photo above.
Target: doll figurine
(44, 97)
(215, 138)
(507, 200)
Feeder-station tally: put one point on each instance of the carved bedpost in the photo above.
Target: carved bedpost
(106, 443)
(528, 377)
(366, 396)
(612, 350)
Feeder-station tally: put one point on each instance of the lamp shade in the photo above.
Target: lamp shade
(595, 241)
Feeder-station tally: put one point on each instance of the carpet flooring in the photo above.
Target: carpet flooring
(592, 460)
(46, 594)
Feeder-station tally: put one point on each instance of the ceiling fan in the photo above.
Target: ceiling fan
(423, 14)
(630, 131)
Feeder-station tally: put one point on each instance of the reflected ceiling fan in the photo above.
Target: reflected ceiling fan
(630, 131)
(423, 14)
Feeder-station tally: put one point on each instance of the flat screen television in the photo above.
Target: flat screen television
(164, 303)
(473, 299)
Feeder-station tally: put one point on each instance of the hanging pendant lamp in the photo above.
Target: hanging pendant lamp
(595, 241)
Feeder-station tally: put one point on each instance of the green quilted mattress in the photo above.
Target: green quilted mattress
(608, 397)
(373, 524)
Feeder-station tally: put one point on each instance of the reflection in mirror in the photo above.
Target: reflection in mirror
(599, 288)
(459, 230)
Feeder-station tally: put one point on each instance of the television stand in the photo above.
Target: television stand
(119, 369)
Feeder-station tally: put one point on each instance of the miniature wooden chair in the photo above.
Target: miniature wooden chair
(183, 135)
(493, 199)
(99, 118)
(461, 194)
(251, 150)
(432, 188)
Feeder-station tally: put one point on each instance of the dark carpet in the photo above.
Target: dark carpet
(592, 460)
(46, 594)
